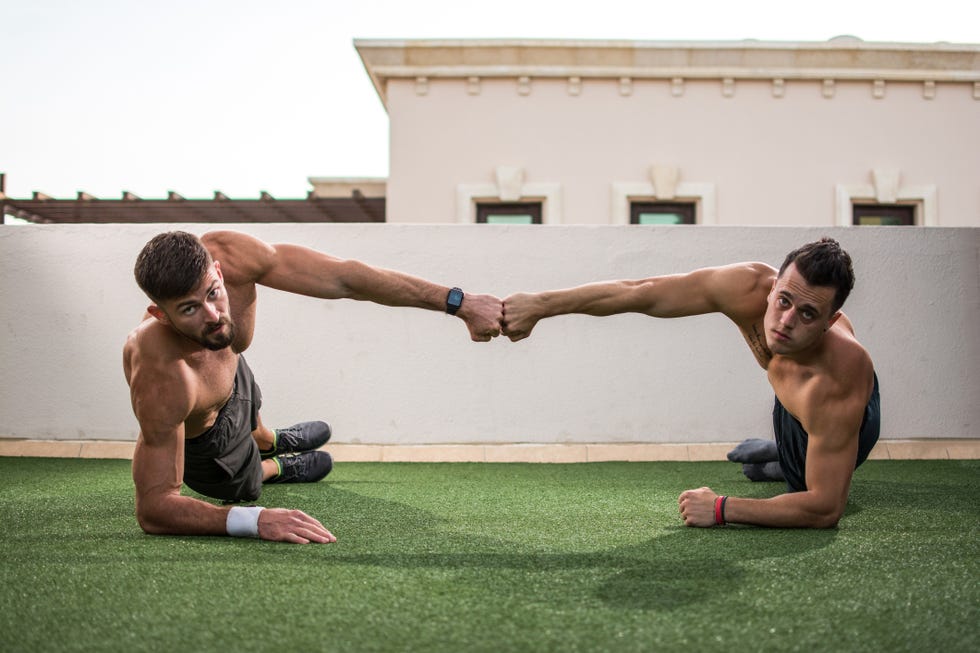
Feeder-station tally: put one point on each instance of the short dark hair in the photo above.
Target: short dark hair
(171, 265)
(824, 263)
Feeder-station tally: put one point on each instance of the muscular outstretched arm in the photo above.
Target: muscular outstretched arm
(247, 260)
(737, 290)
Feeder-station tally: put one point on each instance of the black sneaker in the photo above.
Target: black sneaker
(305, 436)
(303, 467)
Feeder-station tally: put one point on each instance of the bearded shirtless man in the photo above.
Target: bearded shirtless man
(826, 415)
(194, 396)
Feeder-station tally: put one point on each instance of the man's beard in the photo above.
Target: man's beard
(217, 340)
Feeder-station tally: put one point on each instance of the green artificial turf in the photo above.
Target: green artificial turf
(494, 557)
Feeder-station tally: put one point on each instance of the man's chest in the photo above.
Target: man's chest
(793, 386)
(755, 338)
(215, 381)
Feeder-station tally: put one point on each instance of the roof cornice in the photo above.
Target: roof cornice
(841, 58)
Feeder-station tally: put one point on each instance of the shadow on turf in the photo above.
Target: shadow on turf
(691, 565)
(678, 568)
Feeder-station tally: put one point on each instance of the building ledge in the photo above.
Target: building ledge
(841, 58)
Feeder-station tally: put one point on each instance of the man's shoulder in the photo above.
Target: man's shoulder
(747, 274)
(758, 268)
(243, 259)
(151, 356)
(221, 238)
(848, 358)
(150, 339)
(846, 376)
(740, 290)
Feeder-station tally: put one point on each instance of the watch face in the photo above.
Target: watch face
(455, 297)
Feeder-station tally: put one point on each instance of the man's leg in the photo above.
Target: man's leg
(301, 467)
(754, 450)
(263, 436)
(770, 471)
(290, 455)
(305, 436)
(759, 458)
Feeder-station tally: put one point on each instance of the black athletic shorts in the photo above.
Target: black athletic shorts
(224, 461)
(791, 439)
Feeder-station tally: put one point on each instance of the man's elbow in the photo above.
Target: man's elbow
(826, 517)
(149, 526)
(149, 519)
(826, 521)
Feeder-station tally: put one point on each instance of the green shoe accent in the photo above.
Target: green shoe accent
(275, 446)
(302, 467)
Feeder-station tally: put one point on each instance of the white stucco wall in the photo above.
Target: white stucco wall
(772, 160)
(387, 375)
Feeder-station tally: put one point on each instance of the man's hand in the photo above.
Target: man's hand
(520, 316)
(280, 525)
(698, 507)
(483, 315)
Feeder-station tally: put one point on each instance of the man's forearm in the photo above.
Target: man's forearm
(791, 510)
(392, 288)
(598, 299)
(180, 515)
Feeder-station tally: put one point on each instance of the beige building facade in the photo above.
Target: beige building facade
(731, 133)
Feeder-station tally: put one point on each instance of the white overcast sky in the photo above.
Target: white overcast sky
(244, 96)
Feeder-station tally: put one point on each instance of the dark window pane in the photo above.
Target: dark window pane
(884, 215)
(508, 212)
(493, 218)
(660, 218)
(662, 212)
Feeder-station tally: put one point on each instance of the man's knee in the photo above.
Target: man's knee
(754, 450)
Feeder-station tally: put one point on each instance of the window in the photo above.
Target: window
(508, 212)
(915, 205)
(662, 212)
(884, 215)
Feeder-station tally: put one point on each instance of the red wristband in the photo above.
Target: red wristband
(720, 511)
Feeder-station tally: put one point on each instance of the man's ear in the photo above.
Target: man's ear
(158, 313)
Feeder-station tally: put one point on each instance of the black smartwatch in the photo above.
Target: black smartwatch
(454, 300)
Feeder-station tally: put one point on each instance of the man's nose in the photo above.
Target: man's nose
(788, 318)
(212, 312)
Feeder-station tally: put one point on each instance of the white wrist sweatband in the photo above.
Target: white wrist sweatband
(243, 521)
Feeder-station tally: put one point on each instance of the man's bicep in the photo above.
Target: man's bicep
(730, 289)
(158, 462)
(304, 271)
(830, 465)
(161, 403)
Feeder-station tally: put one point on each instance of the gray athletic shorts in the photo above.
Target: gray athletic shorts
(224, 461)
(791, 439)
